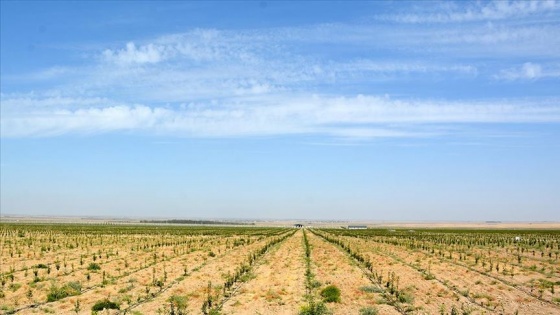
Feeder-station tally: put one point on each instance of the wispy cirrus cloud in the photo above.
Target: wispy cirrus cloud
(476, 11)
(203, 62)
(163, 70)
(361, 116)
(396, 68)
(529, 71)
(195, 47)
(136, 55)
(296, 80)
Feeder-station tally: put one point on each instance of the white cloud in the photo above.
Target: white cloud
(51, 122)
(529, 71)
(395, 67)
(198, 46)
(47, 101)
(206, 63)
(223, 83)
(354, 117)
(503, 29)
(136, 55)
(204, 45)
(478, 11)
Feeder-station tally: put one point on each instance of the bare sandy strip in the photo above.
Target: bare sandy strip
(332, 266)
(279, 285)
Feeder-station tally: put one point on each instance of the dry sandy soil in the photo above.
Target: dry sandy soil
(194, 266)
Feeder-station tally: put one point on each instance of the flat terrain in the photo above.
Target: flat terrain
(168, 269)
(492, 225)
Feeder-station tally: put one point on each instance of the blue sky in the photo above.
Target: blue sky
(322, 110)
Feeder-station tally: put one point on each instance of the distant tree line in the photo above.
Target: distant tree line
(209, 222)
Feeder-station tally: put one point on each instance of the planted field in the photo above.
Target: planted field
(159, 269)
(459, 272)
(71, 268)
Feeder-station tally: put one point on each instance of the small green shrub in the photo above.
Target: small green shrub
(331, 294)
(314, 309)
(428, 276)
(94, 266)
(8, 309)
(369, 311)
(69, 289)
(15, 286)
(405, 297)
(178, 303)
(314, 283)
(105, 305)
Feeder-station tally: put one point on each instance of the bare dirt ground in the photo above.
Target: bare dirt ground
(477, 291)
(427, 296)
(279, 283)
(488, 289)
(332, 266)
(461, 270)
(195, 285)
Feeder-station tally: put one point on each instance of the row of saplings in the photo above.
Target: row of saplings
(177, 304)
(73, 289)
(329, 294)
(211, 305)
